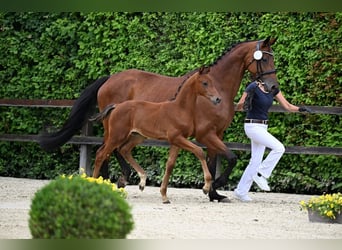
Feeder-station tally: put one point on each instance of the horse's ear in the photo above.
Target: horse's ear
(266, 42)
(273, 40)
(204, 70)
(269, 41)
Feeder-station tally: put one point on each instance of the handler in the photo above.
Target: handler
(256, 101)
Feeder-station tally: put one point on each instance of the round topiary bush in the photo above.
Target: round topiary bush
(78, 207)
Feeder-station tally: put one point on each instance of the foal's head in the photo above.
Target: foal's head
(204, 85)
(261, 63)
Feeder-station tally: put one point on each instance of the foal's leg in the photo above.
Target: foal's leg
(173, 153)
(111, 141)
(104, 169)
(198, 152)
(102, 155)
(126, 152)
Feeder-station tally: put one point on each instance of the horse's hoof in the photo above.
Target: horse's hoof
(213, 195)
(141, 187)
(167, 202)
(224, 200)
(121, 182)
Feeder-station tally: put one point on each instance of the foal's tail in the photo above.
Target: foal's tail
(77, 118)
(101, 116)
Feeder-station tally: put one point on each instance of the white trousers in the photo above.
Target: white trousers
(260, 139)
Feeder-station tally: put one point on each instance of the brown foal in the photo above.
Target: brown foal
(130, 122)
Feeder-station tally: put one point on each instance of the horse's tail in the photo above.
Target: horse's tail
(101, 116)
(77, 118)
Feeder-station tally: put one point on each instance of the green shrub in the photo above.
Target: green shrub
(56, 55)
(78, 207)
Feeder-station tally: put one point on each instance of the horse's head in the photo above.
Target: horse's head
(260, 63)
(205, 85)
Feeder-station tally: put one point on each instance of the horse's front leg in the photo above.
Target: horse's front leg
(171, 161)
(212, 165)
(216, 146)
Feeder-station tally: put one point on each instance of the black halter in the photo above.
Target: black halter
(257, 56)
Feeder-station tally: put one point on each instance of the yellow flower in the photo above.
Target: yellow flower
(99, 181)
(90, 179)
(327, 205)
(330, 214)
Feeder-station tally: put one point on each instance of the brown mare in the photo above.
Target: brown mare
(210, 121)
(172, 121)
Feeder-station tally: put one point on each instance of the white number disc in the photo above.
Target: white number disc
(257, 55)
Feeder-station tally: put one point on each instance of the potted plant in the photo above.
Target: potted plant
(326, 208)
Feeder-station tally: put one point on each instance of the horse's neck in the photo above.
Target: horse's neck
(228, 72)
(186, 98)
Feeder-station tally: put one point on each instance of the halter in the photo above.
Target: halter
(257, 56)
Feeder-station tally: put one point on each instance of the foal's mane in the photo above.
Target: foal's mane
(188, 75)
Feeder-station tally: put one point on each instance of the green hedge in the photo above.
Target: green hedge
(56, 55)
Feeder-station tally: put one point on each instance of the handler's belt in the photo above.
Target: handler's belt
(256, 121)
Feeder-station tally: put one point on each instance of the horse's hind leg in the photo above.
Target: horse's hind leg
(126, 151)
(125, 170)
(173, 153)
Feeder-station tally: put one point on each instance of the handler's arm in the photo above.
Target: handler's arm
(286, 105)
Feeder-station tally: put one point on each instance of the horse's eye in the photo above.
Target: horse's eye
(205, 84)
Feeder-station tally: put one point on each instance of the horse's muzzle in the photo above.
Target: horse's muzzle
(270, 85)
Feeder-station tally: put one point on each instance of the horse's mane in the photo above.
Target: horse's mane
(190, 73)
(227, 51)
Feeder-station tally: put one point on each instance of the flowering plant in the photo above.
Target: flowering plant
(100, 180)
(327, 205)
(80, 207)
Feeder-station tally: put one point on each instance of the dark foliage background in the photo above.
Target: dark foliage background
(56, 55)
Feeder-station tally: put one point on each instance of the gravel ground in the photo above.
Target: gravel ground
(189, 216)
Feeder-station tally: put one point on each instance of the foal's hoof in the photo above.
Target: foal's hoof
(167, 202)
(205, 191)
(213, 195)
